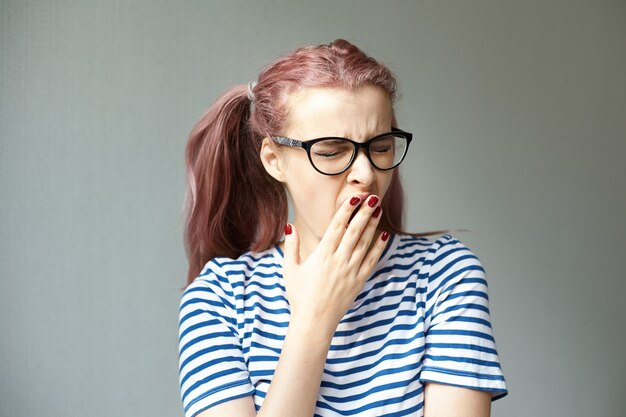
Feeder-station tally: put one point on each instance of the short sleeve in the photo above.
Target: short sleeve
(212, 368)
(460, 347)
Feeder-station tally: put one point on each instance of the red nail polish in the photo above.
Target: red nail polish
(287, 229)
(376, 212)
(373, 201)
(385, 236)
(354, 201)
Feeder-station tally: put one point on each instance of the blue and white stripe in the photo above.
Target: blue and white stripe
(422, 316)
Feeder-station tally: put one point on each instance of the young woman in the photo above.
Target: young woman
(348, 315)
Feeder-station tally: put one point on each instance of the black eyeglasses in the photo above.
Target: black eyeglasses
(334, 155)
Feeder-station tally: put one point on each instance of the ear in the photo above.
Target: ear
(272, 160)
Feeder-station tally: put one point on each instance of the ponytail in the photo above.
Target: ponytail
(232, 204)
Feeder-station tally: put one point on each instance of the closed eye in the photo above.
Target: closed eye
(380, 149)
(383, 145)
(331, 148)
(326, 154)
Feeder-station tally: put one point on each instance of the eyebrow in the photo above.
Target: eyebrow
(351, 138)
(370, 134)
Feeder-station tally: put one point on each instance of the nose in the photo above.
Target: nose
(362, 170)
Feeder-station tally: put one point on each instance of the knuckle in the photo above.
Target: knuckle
(337, 224)
(363, 275)
(367, 259)
(353, 233)
(362, 244)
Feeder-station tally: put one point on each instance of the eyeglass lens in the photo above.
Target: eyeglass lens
(332, 156)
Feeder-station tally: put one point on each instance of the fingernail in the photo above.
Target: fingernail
(385, 236)
(373, 201)
(376, 212)
(354, 201)
(287, 229)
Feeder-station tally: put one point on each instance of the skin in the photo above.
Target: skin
(324, 112)
(326, 262)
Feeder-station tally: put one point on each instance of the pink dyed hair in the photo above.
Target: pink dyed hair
(232, 204)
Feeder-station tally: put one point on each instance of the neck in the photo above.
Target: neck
(308, 240)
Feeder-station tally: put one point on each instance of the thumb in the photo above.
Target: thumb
(292, 245)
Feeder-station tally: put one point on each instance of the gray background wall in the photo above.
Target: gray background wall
(519, 113)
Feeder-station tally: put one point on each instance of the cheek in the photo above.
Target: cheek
(317, 198)
(384, 181)
(315, 201)
(313, 194)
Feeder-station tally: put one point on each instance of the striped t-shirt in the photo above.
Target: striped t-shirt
(422, 316)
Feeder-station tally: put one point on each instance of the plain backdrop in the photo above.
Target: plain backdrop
(519, 115)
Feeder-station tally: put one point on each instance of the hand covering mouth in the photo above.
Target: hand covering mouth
(356, 210)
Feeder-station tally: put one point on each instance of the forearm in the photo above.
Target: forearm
(296, 382)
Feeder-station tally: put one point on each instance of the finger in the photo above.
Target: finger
(292, 246)
(373, 256)
(337, 226)
(366, 219)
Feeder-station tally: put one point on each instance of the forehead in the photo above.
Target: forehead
(356, 114)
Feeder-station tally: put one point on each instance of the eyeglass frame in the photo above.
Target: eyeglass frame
(306, 145)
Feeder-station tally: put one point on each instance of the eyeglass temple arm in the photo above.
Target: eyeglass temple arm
(287, 141)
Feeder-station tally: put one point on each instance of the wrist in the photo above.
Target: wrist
(313, 329)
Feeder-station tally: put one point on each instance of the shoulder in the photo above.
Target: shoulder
(439, 255)
(448, 254)
(453, 270)
(229, 273)
(431, 247)
(220, 284)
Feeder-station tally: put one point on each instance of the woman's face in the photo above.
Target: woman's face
(318, 112)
